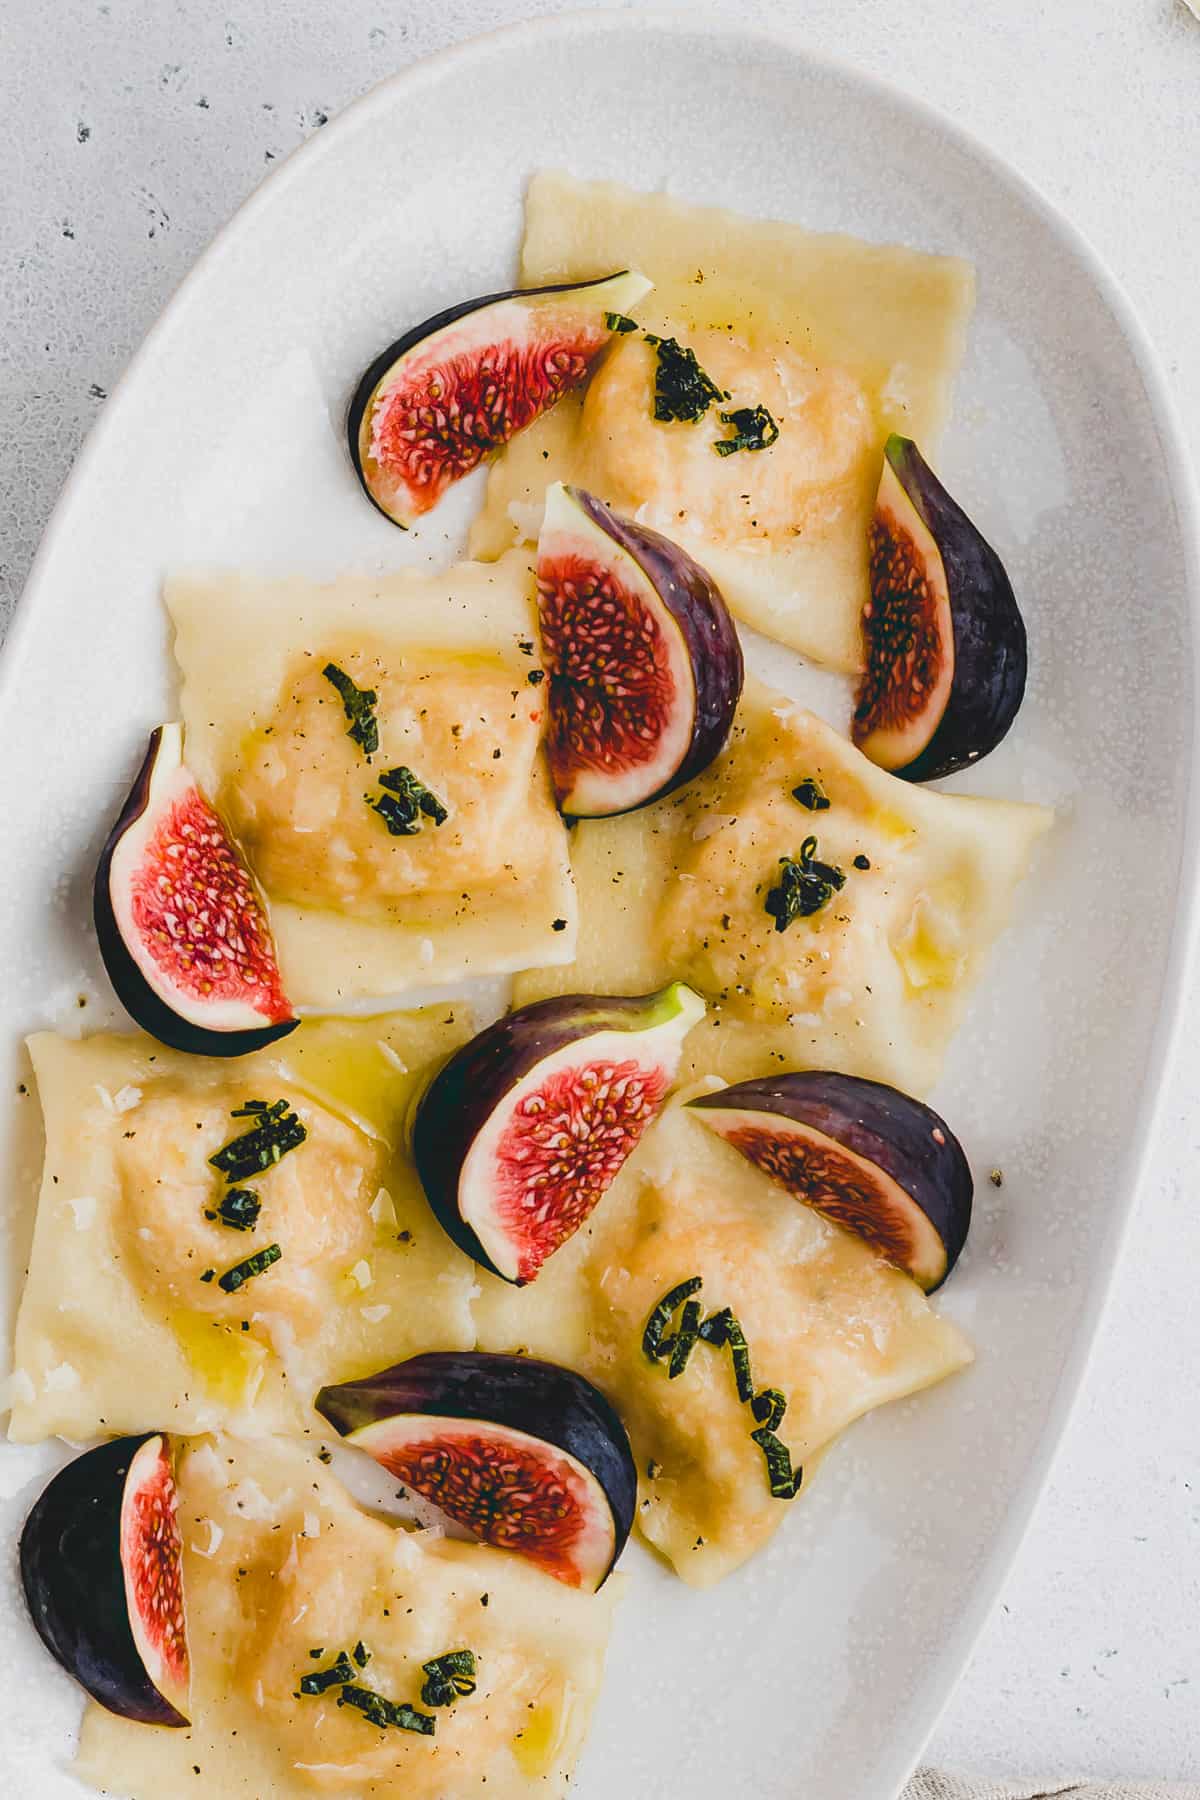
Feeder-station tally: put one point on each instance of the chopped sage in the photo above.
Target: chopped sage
(713, 1329)
(359, 707)
(278, 1130)
(805, 886)
(683, 392)
(238, 1208)
(811, 794)
(753, 427)
(336, 1675)
(684, 1340)
(384, 1712)
(722, 1330)
(769, 1407)
(456, 1669)
(437, 1692)
(619, 323)
(739, 1352)
(406, 803)
(784, 1481)
(237, 1277)
(663, 1313)
(449, 1677)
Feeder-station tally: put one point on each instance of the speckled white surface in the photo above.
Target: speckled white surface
(128, 132)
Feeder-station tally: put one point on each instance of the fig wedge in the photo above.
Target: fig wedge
(870, 1158)
(644, 660)
(182, 928)
(520, 1134)
(100, 1559)
(455, 388)
(528, 1456)
(944, 638)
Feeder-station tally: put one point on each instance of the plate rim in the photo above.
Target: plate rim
(948, 1659)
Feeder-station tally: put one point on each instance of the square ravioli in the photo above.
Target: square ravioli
(828, 1324)
(843, 341)
(281, 1570)
(131, 1317)
(875, 979)
(375, 745)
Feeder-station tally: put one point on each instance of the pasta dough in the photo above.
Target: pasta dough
(119, 1330)
(278, 1561)
(827, 1322)
(876, 981)
(842, 340)
(360, 914)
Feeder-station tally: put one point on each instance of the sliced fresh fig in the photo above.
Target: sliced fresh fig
(520, 1134)
(455, 388)
(528, 1456)
(944, 638)
(644, 660)
(183, 929)
(101, 1566)
(867, 1156)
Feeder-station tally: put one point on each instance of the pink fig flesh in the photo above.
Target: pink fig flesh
(644, 660)
(436, 403)
(181, 925)
(101, 1565)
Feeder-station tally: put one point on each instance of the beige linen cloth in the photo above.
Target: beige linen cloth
(932, 1784)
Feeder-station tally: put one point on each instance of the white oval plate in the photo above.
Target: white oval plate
(820, 1669)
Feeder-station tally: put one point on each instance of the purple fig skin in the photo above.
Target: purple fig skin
(898, 1135)
(74, 1585)
(520, 1393)
(466, 1090)
(696, 604)
(991, 655)
(417, 335)
(146, 1008)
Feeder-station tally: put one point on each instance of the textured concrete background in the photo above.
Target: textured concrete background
(129, 132)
